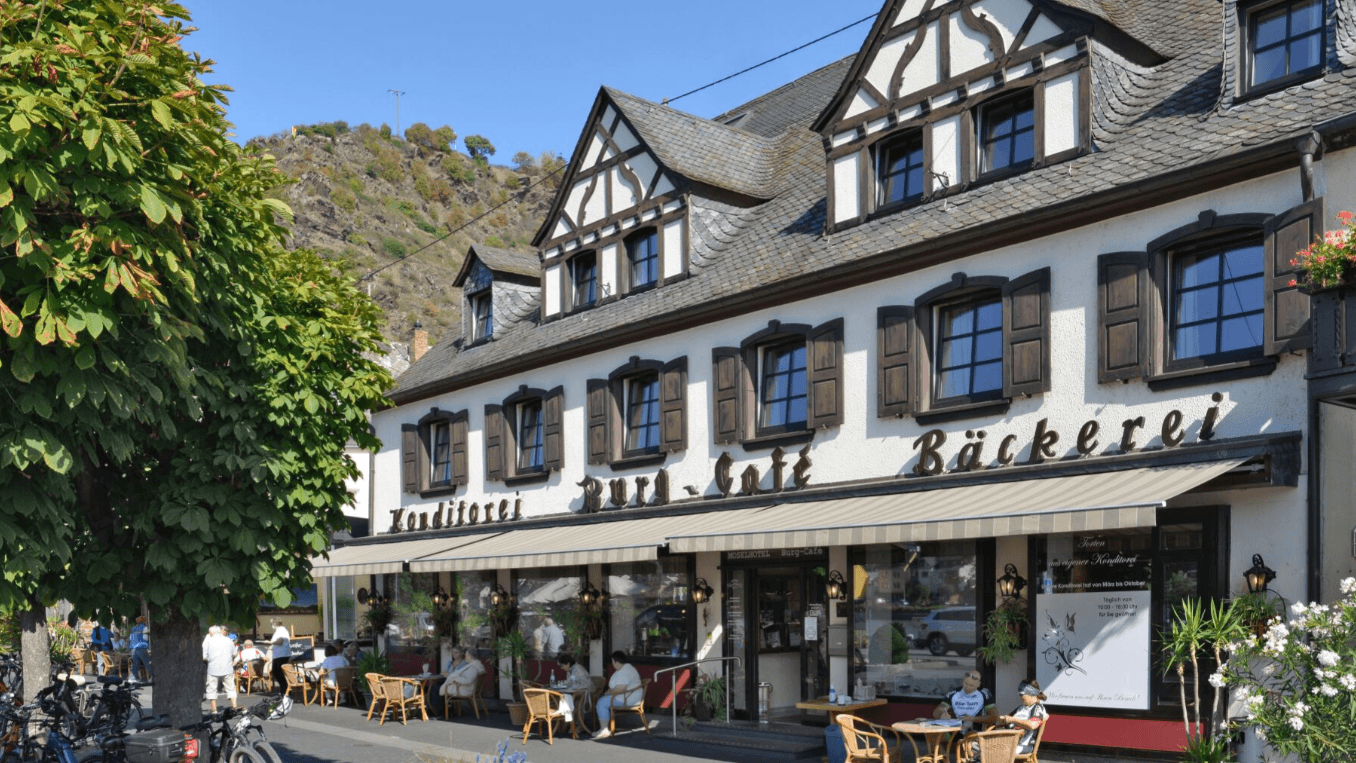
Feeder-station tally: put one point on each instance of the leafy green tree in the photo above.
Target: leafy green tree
(480, 148)
(524, 162)
(181, 385)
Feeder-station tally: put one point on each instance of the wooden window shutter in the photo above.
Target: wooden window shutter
(494, 442)
(673, 406)
(1026, 332)
(460, 466)
(409, 457)
(894, 361)
(1286, 307)
(1123, 341)
(596, 413)
(825, 372)
(725, 411)
(553, 441)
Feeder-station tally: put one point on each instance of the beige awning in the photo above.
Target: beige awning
(386, 558)
(1102, 501)
(629, 540)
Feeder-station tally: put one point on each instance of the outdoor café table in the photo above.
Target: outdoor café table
(579, 696)
(823, 705)
(935, 734)
(426, 680)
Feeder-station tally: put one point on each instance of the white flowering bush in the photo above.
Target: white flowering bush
(1297, 681)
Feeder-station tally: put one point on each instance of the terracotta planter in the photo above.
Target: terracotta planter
(517, 713)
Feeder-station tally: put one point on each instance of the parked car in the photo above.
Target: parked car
(948, 628)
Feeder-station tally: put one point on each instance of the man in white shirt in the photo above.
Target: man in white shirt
(623, 690)
(216, 652)
(282, 652)
(549, 637)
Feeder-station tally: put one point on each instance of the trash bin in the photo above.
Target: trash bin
(833, 741)
(764, 701)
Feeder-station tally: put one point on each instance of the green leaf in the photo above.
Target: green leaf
(19, 123)
(58, 460)
(6, 196)
(23, 366)
(152, 205)
(91, 137)
(84, 358)
(161, 113)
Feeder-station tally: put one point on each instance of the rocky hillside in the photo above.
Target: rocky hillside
(364, 198)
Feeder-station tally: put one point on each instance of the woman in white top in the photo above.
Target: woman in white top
(623, 690)
(463, 673)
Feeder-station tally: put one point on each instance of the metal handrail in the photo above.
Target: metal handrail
(673, 684)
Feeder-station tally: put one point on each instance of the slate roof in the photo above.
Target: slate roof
(513, 262)
(1154, 128)
(700, 149)
(794, 104)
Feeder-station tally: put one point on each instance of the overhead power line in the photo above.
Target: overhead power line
(560, 169)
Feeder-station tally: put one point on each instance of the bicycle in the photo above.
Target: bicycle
(238, 739)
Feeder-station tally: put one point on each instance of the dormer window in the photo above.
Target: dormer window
(642, 257)
(899, 163)
(1285, 41)
(583, 280)
(482, 316)
(1007, 134)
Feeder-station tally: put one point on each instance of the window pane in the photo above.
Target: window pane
(774, 414)
(797, 385)
(958, 321)
(1306, 52)
(989, 346)
(1196, 271)
(1197, 305)
(1242, 261)
(990, 315)
(1000, 155)
(914, 617)
(545, 596)
(988, 377)
(1306, 17)
(1195, 341)
(1243, 296)
(1241, 333)
(648, 609)
(1270, 30)
(955, 382)
(956, 352)
(1024, 147)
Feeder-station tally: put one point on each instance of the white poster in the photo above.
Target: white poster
(1092, 649)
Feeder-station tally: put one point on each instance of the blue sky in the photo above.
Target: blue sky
(522, 74)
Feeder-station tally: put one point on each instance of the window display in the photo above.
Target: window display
(650, 609)
(544, 597)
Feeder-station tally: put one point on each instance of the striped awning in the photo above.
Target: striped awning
(386, 558)
(629, 540)
(1101, 501)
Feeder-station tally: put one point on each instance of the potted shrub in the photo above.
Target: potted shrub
(1200, 632)
(512, 649)
(707, 698)
(1004, 631)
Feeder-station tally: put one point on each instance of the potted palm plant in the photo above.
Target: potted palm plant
(512, 649)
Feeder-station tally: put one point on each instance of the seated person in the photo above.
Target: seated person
(576, 677)
(1028, 718)
(333, 659)
(463, 674)
(971, 702)
(623, 690)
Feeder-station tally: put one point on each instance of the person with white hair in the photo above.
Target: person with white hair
(218, 652)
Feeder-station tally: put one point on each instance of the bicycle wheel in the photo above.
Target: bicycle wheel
(266, 751)
(245, 755)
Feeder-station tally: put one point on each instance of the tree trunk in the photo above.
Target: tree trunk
(33, 649)
(179, 670)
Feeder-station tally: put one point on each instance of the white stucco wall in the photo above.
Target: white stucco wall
(1061, 114)
(846, 202)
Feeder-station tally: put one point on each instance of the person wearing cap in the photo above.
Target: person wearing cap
(971, 703)
(140, 641)
(1028, 717)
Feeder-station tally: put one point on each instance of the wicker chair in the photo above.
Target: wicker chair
(865, 743)
(638, 709)
(393, 691)
(343, 683)
(374, 685)
(1030, 757)
(254, 674)
(999, 746)
(296, 679)
(544, 705)
(476, 700)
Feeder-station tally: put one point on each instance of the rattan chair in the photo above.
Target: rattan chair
(393, 691)
(296, 679)
(343, 684)
(998, 746)
(638, 709)
(374, 685)
(865, 742)
(1030, 757)
(254, 674)
(544, 705)
(476, 700)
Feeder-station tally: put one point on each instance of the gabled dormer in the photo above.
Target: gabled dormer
(947, 95)
(622, 220)
(499, 288)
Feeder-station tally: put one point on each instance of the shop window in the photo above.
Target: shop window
(433, 452)
(914, 617)
(638, 413)
(650, 614)
(474, 630)
(964, 348)
(781, 381)
(409, 636)
(547, 601)
(1007, 134)
(523, 435)
(899, 170)
(642, 258)
(583, 280)
(1217, 301)
(1212, 300)
(482, 316)
(1285, 43)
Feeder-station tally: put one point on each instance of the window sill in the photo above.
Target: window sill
(1245, 369)
(963, 411)
(527, 478)
(1281, 83)
(768, 442)
(439, 490)
(637, 461)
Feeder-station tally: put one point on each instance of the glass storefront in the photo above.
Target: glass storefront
(649, 613)
(914, 616)
(546, 597)
(409, 638)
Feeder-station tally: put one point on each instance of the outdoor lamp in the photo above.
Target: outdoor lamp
(498, 596)
(442, 598)
(837, 587)
(701, 592)
(1011, 584)
(362, 595)
(588, 595)
(1259, 575)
